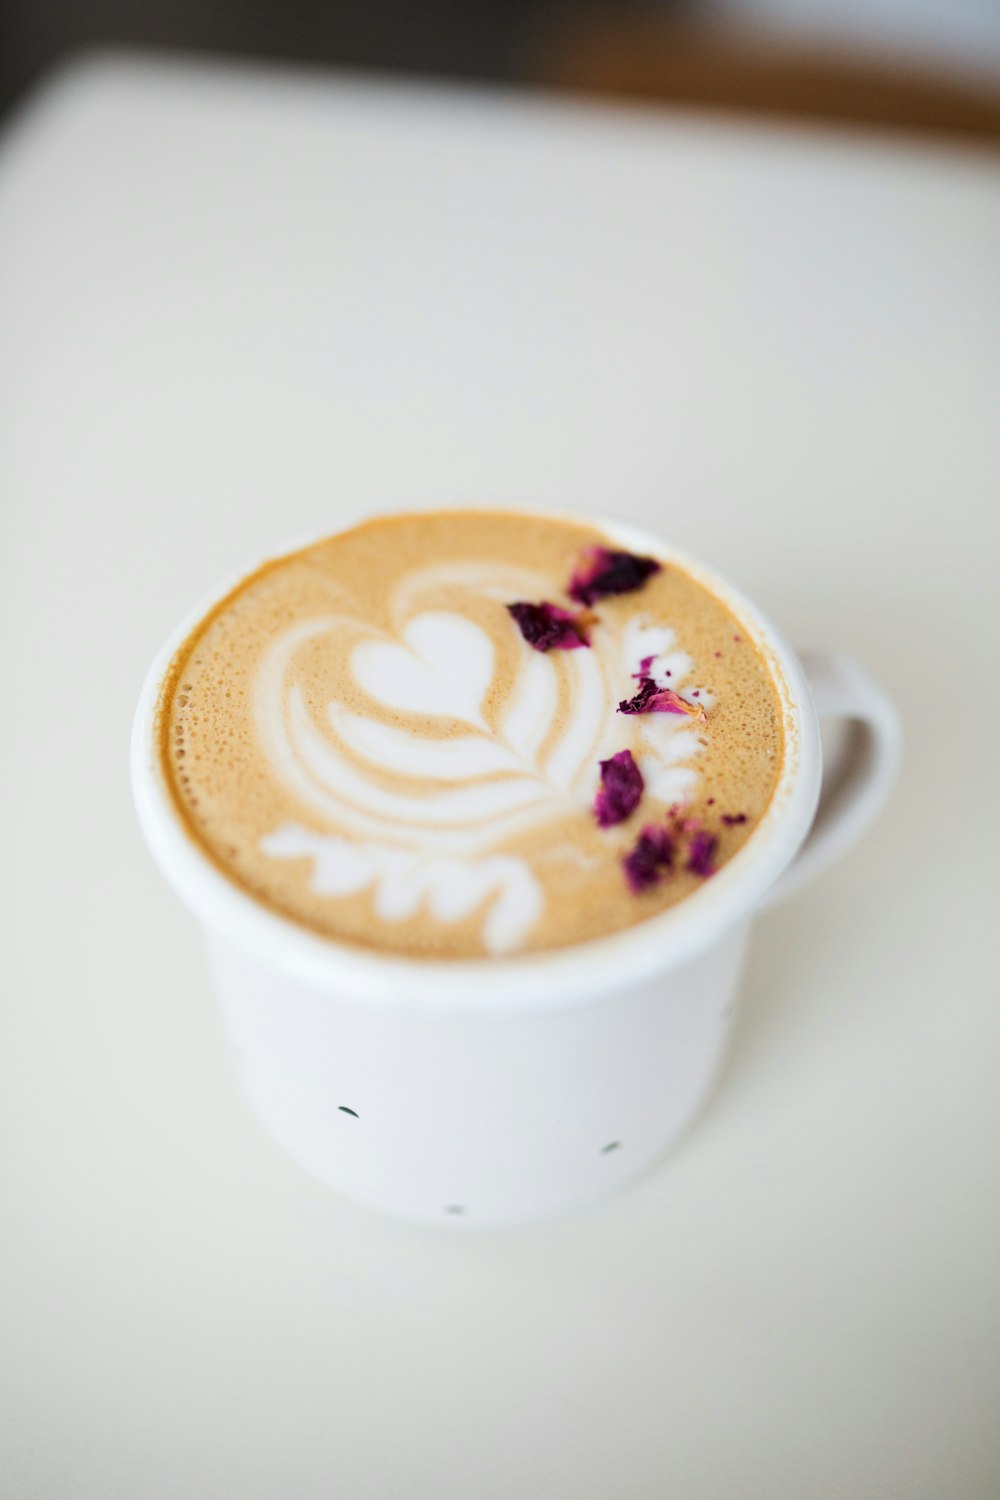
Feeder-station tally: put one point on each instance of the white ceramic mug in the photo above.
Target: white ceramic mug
(502, 1091)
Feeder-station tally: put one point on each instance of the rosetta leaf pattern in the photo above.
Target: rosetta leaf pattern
(413, 790)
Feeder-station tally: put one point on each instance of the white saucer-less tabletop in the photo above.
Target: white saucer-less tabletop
(236, 305)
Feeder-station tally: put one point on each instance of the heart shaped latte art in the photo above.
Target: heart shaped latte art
(444, 667)
(424, 819)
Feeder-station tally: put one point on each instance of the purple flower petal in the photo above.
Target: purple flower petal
(649, 858)
(651, 699)
(601, 572)
(732, 819)
(701, 852)
(620, 791)
(547, 626)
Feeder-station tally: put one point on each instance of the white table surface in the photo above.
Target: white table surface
(235, 304)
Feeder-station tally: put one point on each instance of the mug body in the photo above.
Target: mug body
(454, 1117)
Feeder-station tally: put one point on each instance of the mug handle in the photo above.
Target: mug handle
(858, 779)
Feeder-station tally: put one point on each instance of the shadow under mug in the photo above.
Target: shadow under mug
(472, 1093)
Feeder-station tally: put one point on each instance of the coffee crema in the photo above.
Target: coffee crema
(361, 737)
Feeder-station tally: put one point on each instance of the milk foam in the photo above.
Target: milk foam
(422, 788)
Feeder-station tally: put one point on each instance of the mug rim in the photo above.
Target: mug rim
(546, 980)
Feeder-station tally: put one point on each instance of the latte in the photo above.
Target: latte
(467, 733)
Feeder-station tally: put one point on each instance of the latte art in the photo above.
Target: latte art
(363, 739)
(423, 789)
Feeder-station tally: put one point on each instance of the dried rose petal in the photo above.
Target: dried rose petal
(649, 858)
(644, 666)
(651, 699)
(620, 791)
(701, 852)
(732, 819)
(547, 626)
(601, 572)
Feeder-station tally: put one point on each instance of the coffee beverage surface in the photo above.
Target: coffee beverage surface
(361, 736)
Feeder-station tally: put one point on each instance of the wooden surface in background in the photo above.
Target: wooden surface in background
(647, 57)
